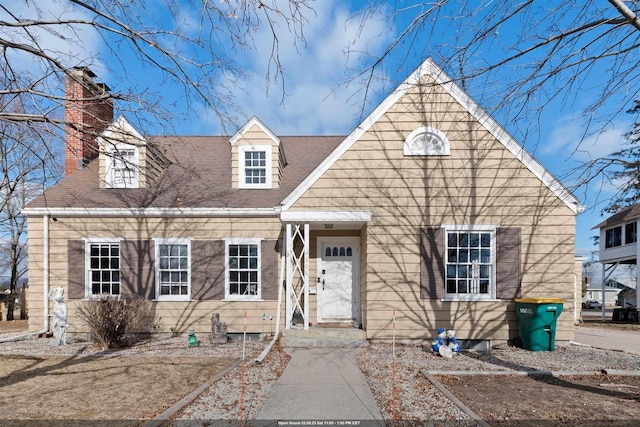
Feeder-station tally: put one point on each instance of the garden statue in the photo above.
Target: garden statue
(218, 330)
(59, 323)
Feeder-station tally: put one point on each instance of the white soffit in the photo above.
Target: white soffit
(325, 216)
(428, 67)
(153, 212)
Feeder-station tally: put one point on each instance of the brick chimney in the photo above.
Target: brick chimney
(88, 111)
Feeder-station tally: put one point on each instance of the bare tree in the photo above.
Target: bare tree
(27, 165)
(519, 58)
(189, 45)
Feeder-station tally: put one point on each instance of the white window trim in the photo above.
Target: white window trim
(491, 296)
(242, 241)
(171, 241)
(417, 133)
(110, 161)
(87, 261)
(241, 166)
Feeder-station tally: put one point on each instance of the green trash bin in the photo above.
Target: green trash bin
(537, 318)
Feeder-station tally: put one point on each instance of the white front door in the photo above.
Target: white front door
(337, 278)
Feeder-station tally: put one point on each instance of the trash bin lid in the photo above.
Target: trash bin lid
(547, 300)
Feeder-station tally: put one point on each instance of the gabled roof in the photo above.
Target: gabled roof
(198, 177)
(118, 131)
(429, 68)
(625, 215)
(254, 121)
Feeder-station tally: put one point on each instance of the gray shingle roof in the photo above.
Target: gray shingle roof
(199, 176)
(624, 215)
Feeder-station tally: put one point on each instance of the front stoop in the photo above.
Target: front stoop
(321, 337)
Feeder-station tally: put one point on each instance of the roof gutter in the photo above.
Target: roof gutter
(152, 212)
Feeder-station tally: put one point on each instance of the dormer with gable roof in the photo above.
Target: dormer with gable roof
(126, 159)
(257, 157)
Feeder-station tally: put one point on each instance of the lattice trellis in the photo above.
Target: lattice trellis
(297, 268)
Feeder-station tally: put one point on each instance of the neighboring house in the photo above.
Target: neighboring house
(627, 298)
(427, 208)
(618, 278)
(619, 245)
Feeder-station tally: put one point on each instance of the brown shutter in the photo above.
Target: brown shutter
(137, 268)
(76, 275)
(432, 263)
(207, 269)
(508, 279)
(269, 273)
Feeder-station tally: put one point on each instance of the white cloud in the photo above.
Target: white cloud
(70, 44)
(569, 139)
(313, 102)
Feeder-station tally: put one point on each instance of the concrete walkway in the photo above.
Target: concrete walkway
(320, 386)
(608, 338)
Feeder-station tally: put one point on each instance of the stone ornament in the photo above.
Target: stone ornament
(59, 323)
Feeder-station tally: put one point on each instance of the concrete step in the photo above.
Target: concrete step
(323, 337)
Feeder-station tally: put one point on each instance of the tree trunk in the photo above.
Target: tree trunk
(14, 281)
(23, 303)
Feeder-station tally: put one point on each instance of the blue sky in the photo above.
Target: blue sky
(317, 99)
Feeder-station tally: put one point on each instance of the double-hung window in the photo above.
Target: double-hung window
(631, 233)
(613, 237)
(123, 167)
(470, 264)
(104, 268)
(173, 269)
(243, 269)
(254, 166)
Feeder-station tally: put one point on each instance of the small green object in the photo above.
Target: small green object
(537, 318)
(193, 341)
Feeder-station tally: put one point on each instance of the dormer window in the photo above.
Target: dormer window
(254, 166)
(123, 167)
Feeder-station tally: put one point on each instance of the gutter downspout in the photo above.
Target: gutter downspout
(264, 353)
(45, 272)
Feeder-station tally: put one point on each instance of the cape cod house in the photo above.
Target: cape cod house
(427, 208)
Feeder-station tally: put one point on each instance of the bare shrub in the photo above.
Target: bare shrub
(117, 321)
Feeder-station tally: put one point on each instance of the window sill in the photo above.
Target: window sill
(240, 299)
(471, 300)
(172, 299)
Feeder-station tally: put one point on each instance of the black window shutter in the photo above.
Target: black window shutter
(137, 268)
(269, 273)
(207, 269)
(508, 254)
(75, 269)
(432, 263)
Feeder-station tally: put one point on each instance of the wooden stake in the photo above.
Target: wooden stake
(364, 339)
(244, 340)
(393, 371)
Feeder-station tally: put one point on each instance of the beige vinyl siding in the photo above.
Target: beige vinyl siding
(180, 316)
(35, 297)
(255, 136)
(480, 182)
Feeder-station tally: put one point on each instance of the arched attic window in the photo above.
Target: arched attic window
(427, 141)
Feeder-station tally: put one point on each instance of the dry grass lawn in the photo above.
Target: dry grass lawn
(122, 389)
